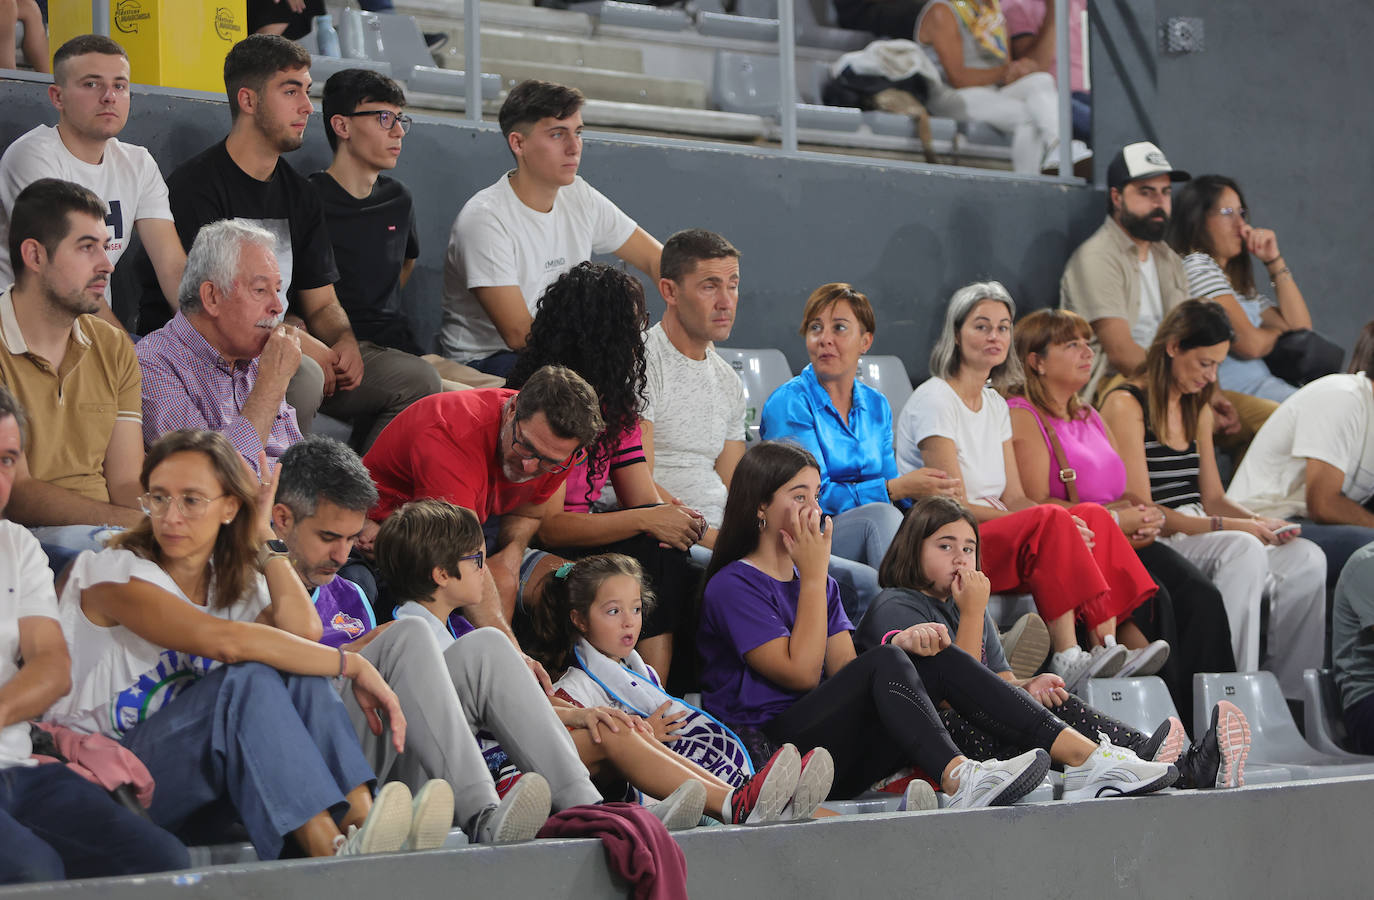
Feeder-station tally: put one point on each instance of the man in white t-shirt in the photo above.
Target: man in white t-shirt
(53, 823)
(91, 93)
(1313, 461)
(513, 239)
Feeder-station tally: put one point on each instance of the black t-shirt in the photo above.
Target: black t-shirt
(210, 186)
(896, 609)
(372, 239)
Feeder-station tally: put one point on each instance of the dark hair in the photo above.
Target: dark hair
(1362, 357)
(1188, 228)
(901, 565)
(827, 295)
(253, 61)
(234, 559)
(1191, 324)
(764, 468)
(80, 46)
(1034, 334)
(347, 89)
(42, 212)
(10, 407)
(418, 538)
(322, 468)
(685, 249)
(532, 100)
(565, 399)
(554, 632)
(592, 320)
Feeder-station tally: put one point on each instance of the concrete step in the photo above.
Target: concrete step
(559, 49)
(602, 84)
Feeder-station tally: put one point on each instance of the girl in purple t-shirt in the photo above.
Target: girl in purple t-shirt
(778, 656)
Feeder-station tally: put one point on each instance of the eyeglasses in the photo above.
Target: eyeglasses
(385, 117)
(526, 451)
(1230, 212)
(191, 506)
(475, 557)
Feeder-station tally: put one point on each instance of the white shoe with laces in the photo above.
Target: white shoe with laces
(1145, 661)
(998, 782)
(1115, 771)
(385, 828)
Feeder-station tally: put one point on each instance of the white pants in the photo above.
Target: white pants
(1027, 109)
(1292, 575)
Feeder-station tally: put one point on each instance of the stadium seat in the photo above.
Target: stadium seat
(332, 427)
(1323, 723)
(747, 83)
(321, 66)
(1141, 703)
(636, 15)
(715, 24)
(1005, 609)
(410, 60)
(813, 20)
(763, 372)
(887, 375)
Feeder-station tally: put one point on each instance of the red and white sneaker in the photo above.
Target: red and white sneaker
(767, 792)
(813, 784)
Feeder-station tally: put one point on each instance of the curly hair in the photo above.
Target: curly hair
(592, 320)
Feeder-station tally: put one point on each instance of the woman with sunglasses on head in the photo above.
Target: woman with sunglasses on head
(193, 643)
(592, 321)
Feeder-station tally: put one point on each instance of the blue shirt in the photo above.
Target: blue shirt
(855, 456)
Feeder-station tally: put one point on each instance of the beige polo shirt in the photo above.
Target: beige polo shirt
(72, 410)
(1102, 281)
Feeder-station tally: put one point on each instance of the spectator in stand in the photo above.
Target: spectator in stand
(511, 240)
(1352, 647)
(193, 644)
(885, 18)
(1316, 462)
(76, 374)
(290, 19)
(982, 83)
(245, 176)
(1172, 464)
(224, 361)
(56, 824)
(91, 93)
(1031, 25)
(847, 426)
(35, 41)
(500, 453)
(1211, 230)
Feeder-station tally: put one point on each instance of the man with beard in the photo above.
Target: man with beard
(244, 176)
(75, 374)
(498, 452)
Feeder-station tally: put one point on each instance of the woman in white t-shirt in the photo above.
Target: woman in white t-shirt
(190, 639)
(1076, 562)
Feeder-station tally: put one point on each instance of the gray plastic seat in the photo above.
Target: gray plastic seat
(763, 372)
(870, 802)
(638, 15)
(745, 83)
(1005, 609)
(813, 19)
(1142, 703)
(887, 375)
(1274, 737)
(749, 28)
(409, 56)
(1323, 724)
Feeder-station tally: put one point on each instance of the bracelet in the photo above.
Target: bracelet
(343, 662)
(1216, 523)
(1115, 517)
(1274, 276)
(887, 637)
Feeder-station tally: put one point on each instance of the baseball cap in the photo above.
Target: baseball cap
(1140, 160)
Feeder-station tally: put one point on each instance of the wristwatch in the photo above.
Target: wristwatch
(271, 550)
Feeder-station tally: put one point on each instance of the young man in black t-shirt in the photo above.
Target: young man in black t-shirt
(266, 78)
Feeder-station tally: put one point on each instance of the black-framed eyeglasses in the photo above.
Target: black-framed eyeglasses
(477, 557)
(385, 117)
(526, 451)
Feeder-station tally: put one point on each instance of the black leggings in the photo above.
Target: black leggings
(877, 714)
(975, 743)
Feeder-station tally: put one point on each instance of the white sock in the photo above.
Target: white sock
(1109, 640)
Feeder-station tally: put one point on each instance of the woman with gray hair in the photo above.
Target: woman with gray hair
(1076, 562)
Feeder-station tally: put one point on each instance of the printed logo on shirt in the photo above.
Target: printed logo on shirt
(555, 263)
(350, 626)
(174, 673)
(116, 222)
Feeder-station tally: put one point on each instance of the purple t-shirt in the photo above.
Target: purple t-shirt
(1101, 473)
(344, 610)
(744, 608)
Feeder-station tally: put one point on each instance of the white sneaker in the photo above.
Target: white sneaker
(998, 782)
(813, 785)
(1145, 661)
(431, 816)
(681, 809)
(919, 796)
(385, 828)
(1076, 665)
(1115, 771)
(519, 815)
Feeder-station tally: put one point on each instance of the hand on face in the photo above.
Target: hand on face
(807, 539)
(970, 591)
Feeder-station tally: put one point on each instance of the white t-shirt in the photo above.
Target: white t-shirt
(1151, 306)
(696, 405)
(1330, 419)
(118, 678)
(127, 179)
(25, 590)
(935, 410)
(498, 241)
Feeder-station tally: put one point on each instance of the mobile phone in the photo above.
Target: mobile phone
(1291, 526)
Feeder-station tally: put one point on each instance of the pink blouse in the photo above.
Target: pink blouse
(1101, 473)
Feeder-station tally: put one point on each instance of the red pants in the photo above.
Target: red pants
(1040, 551)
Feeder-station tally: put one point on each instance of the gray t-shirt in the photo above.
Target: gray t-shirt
(1352, 617)
(898, 608)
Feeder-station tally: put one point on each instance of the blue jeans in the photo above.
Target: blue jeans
(54, 824)
(864, 532)
(280, 748)
(498, 364)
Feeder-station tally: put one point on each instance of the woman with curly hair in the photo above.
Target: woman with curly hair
(592, 320)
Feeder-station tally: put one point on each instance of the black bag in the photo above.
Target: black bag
(1302, 356)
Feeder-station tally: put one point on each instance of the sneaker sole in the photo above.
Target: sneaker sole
(431, 816)
(388, 823)
(813, 785)
(1146, 663)
(777, 788)
(1030, 640)
(686, 812)
(1108, 664)
(1172, 747)
(528, 812)
(1136, 790)
(1233, 742)
(1019, 786)
(920, 796)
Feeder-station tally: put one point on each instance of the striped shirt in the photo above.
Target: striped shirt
(1173, 473)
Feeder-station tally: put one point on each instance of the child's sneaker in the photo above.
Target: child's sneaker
(919, 796)
(682, 808)
(998, 782)
(431, 816)
(1026, 644)
(1218, 758)
(1145, 660)
(1076, 665)
(766, 793)
(1115, 771)
(813, 784)
(1166, 744)
(519, 815)
(385, 828)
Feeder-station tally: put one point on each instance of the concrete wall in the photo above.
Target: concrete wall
(907, 235)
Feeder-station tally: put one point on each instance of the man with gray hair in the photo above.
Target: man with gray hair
(224, 361)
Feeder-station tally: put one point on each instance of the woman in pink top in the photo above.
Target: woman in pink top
(1056, 359)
